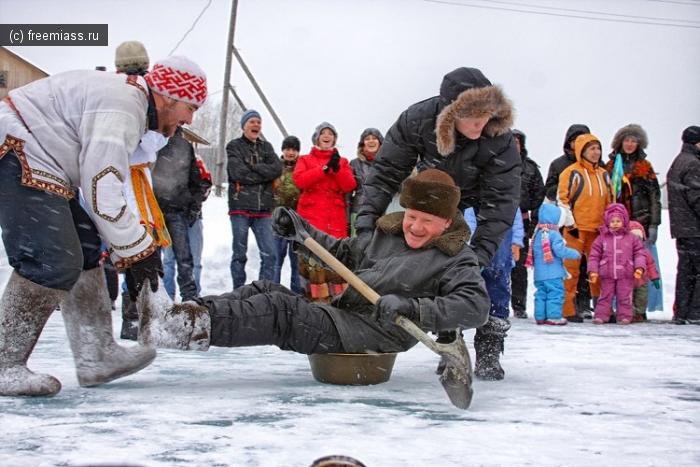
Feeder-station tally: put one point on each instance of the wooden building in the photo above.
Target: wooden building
(16, 71)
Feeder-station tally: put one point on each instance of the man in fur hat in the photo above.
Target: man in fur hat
(464, 131)
(416, 260)
(71, 132)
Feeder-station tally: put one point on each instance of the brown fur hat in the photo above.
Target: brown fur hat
(476, 102)
(431, 191)
(633, 130)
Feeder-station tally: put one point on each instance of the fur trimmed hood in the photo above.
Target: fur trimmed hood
(476, 102)
(450, 243)
(633, 130)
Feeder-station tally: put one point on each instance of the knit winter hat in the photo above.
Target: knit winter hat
(248, 114)
(431, 191)
(291, 142)
(370, 131)
(616, 210)
(179, 78)
(637, 229)
(131, 55)
(319, 129)
(691, 135)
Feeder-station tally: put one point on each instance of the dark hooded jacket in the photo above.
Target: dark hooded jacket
(683, 181)
(531, 185)
(551, 186)
(443, 277)
(487, 170)
(177, 181)
(640, 190)
(252, 169)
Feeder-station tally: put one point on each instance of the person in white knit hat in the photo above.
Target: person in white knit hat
(76, 131)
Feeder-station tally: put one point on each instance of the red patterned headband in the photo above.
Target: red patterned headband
(179, 84)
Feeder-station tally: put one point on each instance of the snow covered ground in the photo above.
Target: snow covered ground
(573, 395)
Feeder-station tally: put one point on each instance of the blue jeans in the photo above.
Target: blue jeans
(497, 278)
(196, 237)
(284, 247)
(179, 234)
(262, 229)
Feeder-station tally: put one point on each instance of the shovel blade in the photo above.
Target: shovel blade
(456, 379)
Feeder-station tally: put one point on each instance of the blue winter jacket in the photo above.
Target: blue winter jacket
(550, 214)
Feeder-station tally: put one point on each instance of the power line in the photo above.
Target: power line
(591, 12)
(191, 28)
(693, 2)
(561, 15)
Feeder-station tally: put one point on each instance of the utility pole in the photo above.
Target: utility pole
(221, 157)
(281, 127)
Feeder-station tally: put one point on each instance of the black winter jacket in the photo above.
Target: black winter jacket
(551, 186)
(531, 185)
(487, 170)
(443, 278)
(683, 183)
(360, 169)
(252, 169)
(177, 182)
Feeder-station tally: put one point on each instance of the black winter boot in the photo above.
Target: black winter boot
(444, 337)
(130, 318)
(488, 344)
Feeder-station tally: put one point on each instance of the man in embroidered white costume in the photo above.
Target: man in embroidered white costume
(77, 130)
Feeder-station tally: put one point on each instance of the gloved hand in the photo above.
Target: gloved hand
(573, 231)
(286, 223)
(655, 283)
(334, 163)
(638, 273)
(593, 277)
(389, 307)
(150, 268)
(651, 236)
(192, 217)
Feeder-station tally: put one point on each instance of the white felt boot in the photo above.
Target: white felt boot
(167, 325)
(24, 309)
(87, 313)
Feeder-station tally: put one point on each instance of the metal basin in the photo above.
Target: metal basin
(352, 369)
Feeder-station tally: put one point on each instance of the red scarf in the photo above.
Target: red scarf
(369, 155)
(546, 247)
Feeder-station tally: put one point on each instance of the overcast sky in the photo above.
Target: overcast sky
(360, 63)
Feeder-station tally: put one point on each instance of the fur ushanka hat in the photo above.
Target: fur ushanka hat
(630, 131)
(431, 191)
(481, 101)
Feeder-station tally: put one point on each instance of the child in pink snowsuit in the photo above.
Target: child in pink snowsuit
(617, 258)
(640, 297)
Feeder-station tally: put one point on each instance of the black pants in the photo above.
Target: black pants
(518, 276)
(688, 279)
(267, 313)
(48, 239)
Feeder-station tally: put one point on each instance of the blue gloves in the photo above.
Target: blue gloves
(389, 307)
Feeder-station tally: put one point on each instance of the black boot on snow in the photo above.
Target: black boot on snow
(488, 349)
(130, 318)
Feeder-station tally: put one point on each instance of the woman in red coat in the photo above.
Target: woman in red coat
(325, 179)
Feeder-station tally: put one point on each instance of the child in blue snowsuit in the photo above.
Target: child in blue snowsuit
(547, 253)
(497, 274)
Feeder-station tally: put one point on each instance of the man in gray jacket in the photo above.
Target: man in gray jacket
(417, 260)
